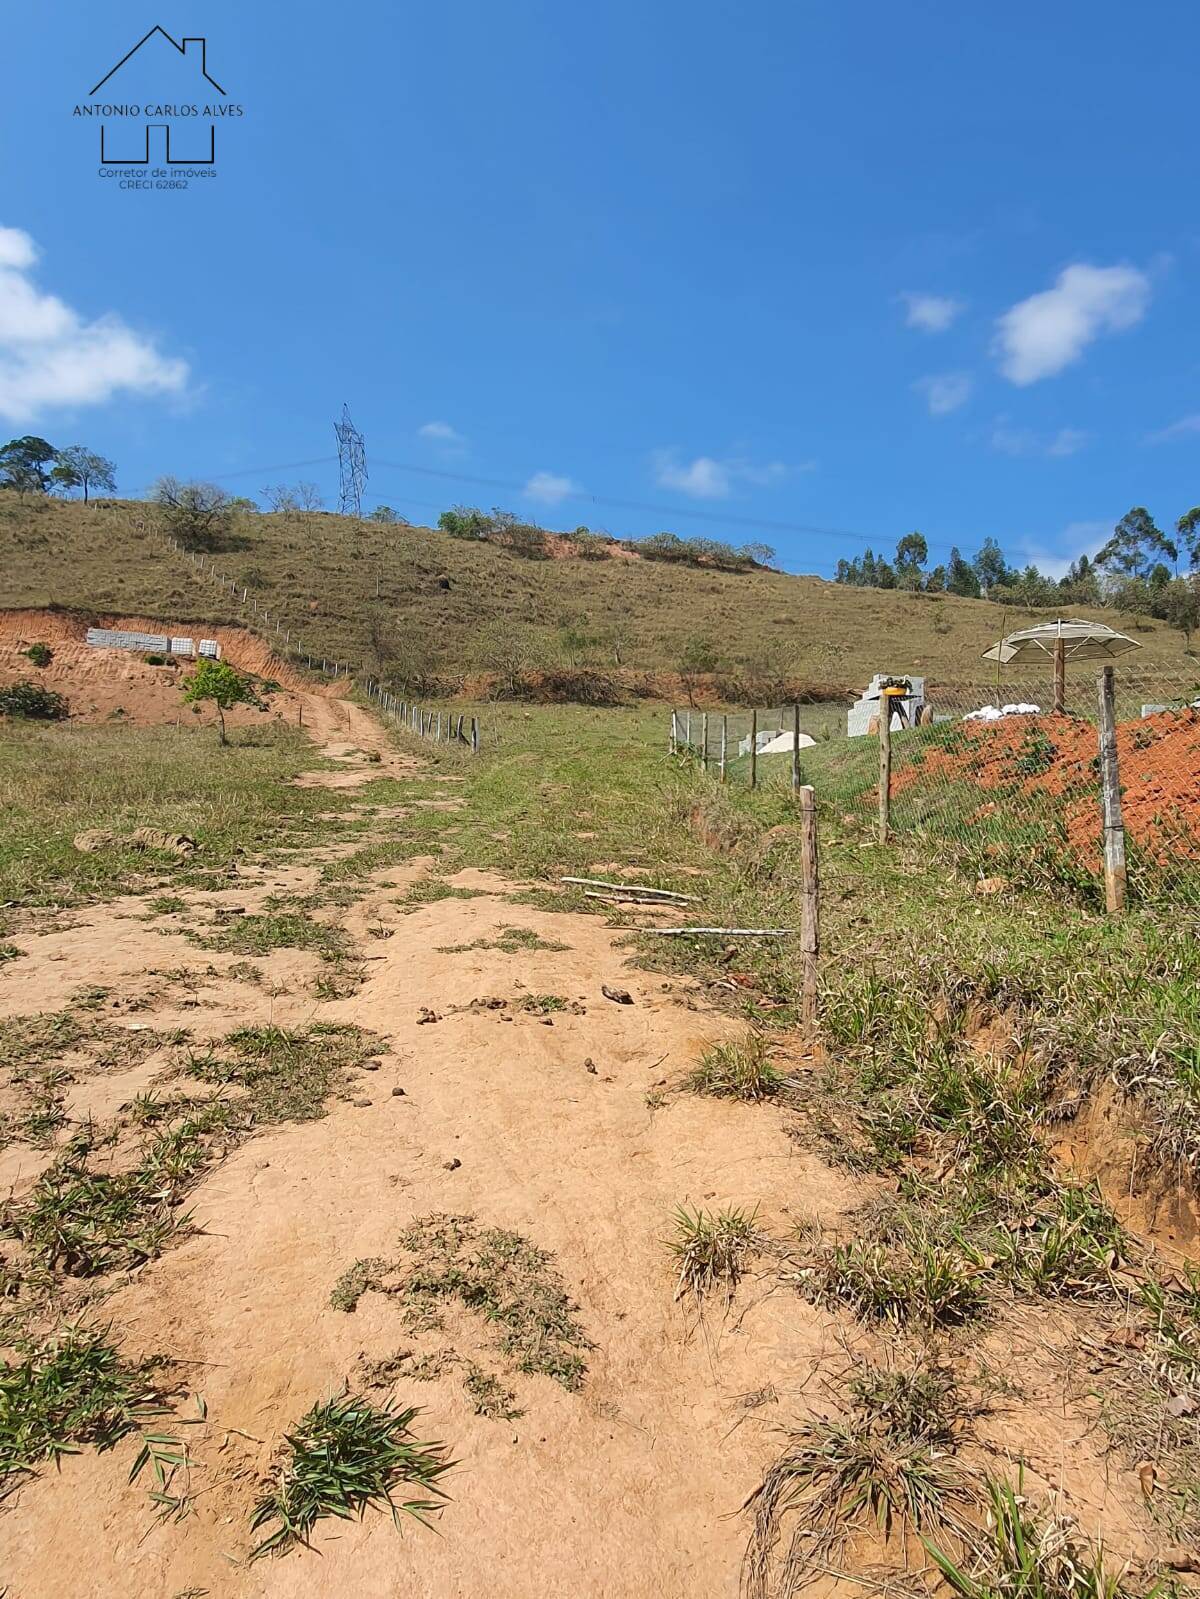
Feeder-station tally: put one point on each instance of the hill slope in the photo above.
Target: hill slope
(415, 602)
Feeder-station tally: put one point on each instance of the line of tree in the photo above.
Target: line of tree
(526, 538)
(34, 466)
(1140, 569)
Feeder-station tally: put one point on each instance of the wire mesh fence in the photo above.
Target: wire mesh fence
(990, 777)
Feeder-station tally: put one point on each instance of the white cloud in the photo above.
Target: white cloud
(549, 489)
(1023, 441)
(1045, 333)
(51, 357)
(706, 478)
(1186, 428)
(440, 433)
(1076, 539)
(931, 313)
(945, 391)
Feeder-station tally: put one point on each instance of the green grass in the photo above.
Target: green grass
(500, 1276)
(508, 941)
(1036, 1555)
(82, 1219)
(56, 781)
(72, 1392)
(886, 1467)
(260, 934)
(345, 1456)
(381, 602)
(738, 1069)
(711, 1248)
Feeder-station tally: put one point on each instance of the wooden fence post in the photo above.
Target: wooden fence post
(673, 745)
(810, 905)
(795, 747)
(724, 743)
(687, 732)
(474, 736)
(704, 742)
(1060, 676)
(753, 749)
(1115, 879)
(885, 766)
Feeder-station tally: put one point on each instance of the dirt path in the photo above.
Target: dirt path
(539, 1124)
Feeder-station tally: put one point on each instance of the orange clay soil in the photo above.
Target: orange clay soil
(101, 685)
(631, 1486)
(1159, 759)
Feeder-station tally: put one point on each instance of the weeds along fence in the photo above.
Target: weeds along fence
(1101, 798)
(433, 722)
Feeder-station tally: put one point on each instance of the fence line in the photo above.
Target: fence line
(424, 723)
(444, 727)
(1102, 798)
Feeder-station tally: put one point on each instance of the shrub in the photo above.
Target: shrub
(28, 700)
(40, 654)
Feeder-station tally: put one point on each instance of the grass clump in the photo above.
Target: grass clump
(286, 1076)
(711, 1249)
(345, 1455)
(354, 1282)
(738, 1069)
(887, 1465)
(509, 941)
(504, 1278)
(74, 1390)
(259, 935)
(1033, 1555)
(83, 1221)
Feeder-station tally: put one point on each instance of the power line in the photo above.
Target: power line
(283, 466)
(674, 512)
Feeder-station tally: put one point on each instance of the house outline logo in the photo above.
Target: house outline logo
(190, 125)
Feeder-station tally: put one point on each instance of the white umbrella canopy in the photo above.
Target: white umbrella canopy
(1078, 641)
(1061, 641)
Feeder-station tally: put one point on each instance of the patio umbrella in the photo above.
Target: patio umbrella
(1063, 642)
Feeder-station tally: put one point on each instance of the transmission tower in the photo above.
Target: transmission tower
(352, 465)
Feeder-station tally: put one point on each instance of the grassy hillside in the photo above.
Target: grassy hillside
(414, 600)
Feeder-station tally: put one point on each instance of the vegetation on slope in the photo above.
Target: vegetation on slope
(427, 611)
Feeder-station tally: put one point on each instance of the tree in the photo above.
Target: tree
(699, 658)
(911, 554)
(1136, 546)
(77, 467)
(197, 513)
(758, 554)
(24, 463)
(961, 577)
(509, 652)
(1181, 606)
(219, 682)
(991, 566)
(1188, 528)
(385, 514)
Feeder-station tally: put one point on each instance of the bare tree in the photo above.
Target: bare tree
(197, 513)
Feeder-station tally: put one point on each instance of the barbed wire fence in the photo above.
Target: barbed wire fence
(424, 721)
(1102, 798)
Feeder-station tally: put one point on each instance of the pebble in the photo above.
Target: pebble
(397, 1093)
(361, 1103)
(452, 1165)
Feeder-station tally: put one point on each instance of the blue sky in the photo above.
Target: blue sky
(859, 267)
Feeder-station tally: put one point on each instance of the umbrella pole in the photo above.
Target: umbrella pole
(1060, 676)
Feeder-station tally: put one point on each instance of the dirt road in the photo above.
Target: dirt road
(534, 1123)
(550, 1122)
